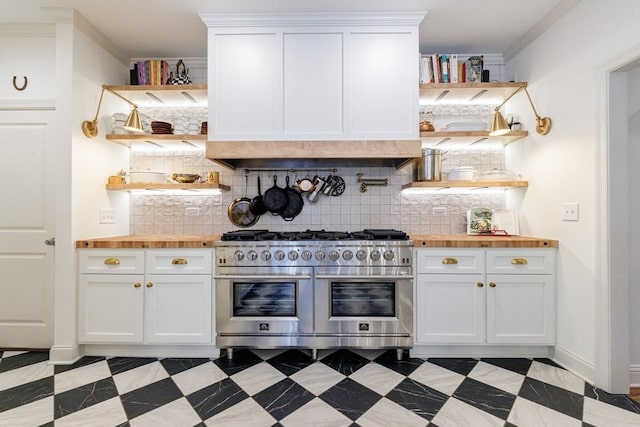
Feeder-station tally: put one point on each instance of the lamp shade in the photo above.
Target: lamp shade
(499, 125)
(134, 124)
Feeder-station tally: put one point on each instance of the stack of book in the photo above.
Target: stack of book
(438, 68)
(150, 72)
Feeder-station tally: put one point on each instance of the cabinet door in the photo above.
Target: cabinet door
(521, 309)
(178, 309)
(110, 308)
(450, 308)
(33, 58)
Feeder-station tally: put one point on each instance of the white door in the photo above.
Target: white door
(26, 220)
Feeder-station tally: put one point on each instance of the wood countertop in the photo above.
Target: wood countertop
(466, 241)
(148, 241)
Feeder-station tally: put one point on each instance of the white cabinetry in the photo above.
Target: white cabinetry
(145, 296)
(313, 77)
(492, 296)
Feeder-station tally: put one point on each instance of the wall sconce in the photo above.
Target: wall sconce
(133, 123)
(499, 125)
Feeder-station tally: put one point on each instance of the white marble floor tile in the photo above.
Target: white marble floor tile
(24, 375)
(103, 414)
(12, 353)
(598, 413)
(177, 413)
(139, 377)
(80, 376)
(368, 354)
(267, 354)
(527, 413)
(316, 414)
(317, 378)
(386, 413)
(198, 377)
(497, 377)
(556, 376)
(258, 377)
(244, 414)
(29, 415)
(378, 378)
(437, 378)
(456, 413)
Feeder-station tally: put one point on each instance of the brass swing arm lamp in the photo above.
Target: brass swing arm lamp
(133, 123)
(499, 125)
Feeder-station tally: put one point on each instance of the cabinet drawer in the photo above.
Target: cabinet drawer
(521, 261)
(179, 261)
(444, 261)
(111, 261)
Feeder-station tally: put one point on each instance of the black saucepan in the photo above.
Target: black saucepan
(294, 203)
(238, 211)
(275, 198)
(257, 206)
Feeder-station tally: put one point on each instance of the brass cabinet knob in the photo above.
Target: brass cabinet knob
(112, 261)
(137, 285)
(149, 285)
(480, 284)
(519, 261)
(449, 261)
(493, 285)
(179, 261)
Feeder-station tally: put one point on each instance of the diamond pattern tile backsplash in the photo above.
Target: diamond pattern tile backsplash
(378, 207)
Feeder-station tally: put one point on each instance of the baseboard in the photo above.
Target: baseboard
(64, 354)
(634, 375)
(480, 351)
(575, 364)
(182, 351)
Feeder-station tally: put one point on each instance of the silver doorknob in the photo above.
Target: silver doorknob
(50, 242)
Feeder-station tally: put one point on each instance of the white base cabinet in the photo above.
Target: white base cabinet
(485, 296)
(154, 296)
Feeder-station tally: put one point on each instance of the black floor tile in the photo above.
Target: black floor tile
(147, 398)
(174, 366)
(460, 365)
(26, 393)
(547, 362)
(84, 361)
(215, 398)
(517, 365)
(620, 400)
(21, 360)
(344, 361)
(405, 366)
(242, 359)
(291, 361)
(118, 365)
(553, 397)
(418, 398)
(283, 398)
(350, 398)
(485, 397)
(82, 397)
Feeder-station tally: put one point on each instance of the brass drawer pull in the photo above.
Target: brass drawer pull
(179, 261)
(519, 261)
(480, 284)
(112, 261)
(493, 285)
(137, 285)
(449, 261)
(149, 285)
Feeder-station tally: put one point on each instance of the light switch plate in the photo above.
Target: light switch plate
(107, 216)
(570, 211)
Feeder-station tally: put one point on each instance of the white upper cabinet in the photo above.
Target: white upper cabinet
(313, 76)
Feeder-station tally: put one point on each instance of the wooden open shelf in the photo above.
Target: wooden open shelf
(163, 95)
(168, 186)
(441, 137)
(160, 141)
(465, 93)
(467, 184)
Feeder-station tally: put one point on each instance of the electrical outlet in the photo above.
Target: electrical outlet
(570, 211)
(439, 211)
(107, 216)
(217, 200)
(193, 212)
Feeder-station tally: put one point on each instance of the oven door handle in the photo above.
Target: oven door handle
(364, 277)
(263, 277)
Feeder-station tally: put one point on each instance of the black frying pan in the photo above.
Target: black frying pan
(275, 198)
(257, 206)
(294, 203)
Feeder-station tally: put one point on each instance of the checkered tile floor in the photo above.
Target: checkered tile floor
(288, 388)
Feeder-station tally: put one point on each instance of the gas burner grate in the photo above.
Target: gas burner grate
(266, 235)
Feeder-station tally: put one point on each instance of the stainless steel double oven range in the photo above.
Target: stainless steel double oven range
(314, 290)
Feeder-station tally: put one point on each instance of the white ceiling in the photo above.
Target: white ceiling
(172, 28)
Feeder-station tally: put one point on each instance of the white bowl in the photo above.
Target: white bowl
(463, 173)
(147, 177)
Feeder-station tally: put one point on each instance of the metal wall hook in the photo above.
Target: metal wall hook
(24, 84)
(364, 183)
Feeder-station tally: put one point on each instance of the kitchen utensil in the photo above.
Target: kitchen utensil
(275, 198)
(257, 206)
(304, 185)
(294, 203)
(185, 178)
(337, 185)
(462, 173)
(147, 177)
(426, 126)
(318, 186)
(238, 211)
(429, 166)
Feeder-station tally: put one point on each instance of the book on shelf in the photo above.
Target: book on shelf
(151, 72)
(474, 68)
(444, 67)
(453, 68)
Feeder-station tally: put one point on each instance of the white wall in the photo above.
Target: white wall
(562, 69)
(633, 81)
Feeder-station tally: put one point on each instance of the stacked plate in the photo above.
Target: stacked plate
(204, 129)
(466, 126)
(193, 127)
(161, 128)
(180, 125)
(119, 119)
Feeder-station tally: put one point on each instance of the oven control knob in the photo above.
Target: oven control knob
(238, 255)
(389, 255)
(279, 255)
(347, 255)
(320, 255)
(293, 255)
(361, 254)
(375, 255)
(265, 255)
(306, 255)
(252, 255)
(334, 255)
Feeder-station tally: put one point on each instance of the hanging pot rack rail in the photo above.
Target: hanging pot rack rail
(291, 170)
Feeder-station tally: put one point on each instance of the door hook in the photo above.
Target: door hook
(24, 85)
(50, 242)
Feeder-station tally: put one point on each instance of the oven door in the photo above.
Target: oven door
(264, 301)
(364, 301)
